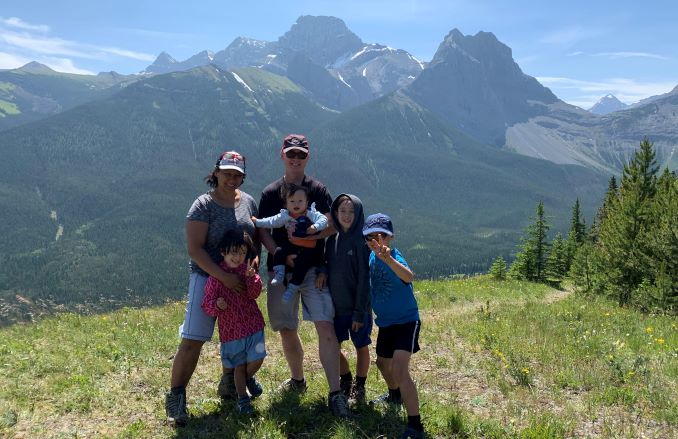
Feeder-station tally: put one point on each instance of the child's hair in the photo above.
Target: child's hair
(341, 200)
(290, 189)
(234, 239)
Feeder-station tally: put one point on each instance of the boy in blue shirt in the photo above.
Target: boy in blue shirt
(397, 317)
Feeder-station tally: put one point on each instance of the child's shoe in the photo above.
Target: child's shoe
(278, 275)
(289, 293)
(358, 394)
(254, 387)
(245, 405)
(346, 386)
(226, 389)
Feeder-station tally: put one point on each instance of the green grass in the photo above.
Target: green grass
(9, 108)
(530, 363)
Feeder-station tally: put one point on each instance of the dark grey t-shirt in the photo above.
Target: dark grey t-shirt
(219, 220)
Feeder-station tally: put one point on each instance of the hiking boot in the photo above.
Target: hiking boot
(175, 407)
(346, 386)
(386, 398)
(254, 387)
(245, 405)
(291, 385)
(289, 293)
(226, 389)
(278, 275)
(358, 394)
(411, 433)
(339, 405)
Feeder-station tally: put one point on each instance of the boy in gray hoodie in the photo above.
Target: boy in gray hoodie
(347, 273)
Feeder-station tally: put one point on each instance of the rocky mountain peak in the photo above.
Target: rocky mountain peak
(35, 67)
(607, 104)
(322, 39)
(482, 46)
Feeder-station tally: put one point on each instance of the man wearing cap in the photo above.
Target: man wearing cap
(317, 303)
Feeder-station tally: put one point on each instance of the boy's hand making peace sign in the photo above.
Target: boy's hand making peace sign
(380, 249)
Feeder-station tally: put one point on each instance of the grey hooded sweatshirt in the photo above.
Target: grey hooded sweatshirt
(348, 270)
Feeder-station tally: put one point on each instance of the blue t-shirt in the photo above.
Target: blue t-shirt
(393, 300)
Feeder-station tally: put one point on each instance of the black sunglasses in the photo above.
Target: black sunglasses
(295, 154)
(375, 236)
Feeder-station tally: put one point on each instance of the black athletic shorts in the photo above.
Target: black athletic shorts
(401, 337)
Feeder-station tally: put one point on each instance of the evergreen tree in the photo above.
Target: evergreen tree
(498, 269)
(583, 269)
(627, 215)
(610, 197)
(576, 235)
(660, 245)
(530, 264)
(557, 261)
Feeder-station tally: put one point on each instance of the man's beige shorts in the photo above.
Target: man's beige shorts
(316, 304)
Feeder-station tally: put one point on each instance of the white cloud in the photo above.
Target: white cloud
(617, 55)
(570, 35)
(128, 53)
(587, 93)
(20, 24)
(576, 53)
(64, 65)
(21, 42)
(12, 61)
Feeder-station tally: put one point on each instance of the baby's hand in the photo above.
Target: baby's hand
(254, 219)
(221, 303)
(311, 230)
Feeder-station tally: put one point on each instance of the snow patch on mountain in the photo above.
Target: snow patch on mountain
(240, 80)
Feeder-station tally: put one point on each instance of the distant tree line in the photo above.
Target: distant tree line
(630, 252)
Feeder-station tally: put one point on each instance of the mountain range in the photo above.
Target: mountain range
(458, 151)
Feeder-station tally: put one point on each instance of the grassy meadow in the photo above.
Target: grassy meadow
(499, 360)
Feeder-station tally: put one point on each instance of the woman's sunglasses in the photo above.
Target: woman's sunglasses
(296, 154)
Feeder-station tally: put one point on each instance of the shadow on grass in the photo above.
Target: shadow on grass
(314, 419)
(289, 416)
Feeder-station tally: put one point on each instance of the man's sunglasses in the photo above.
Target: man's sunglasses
(296, 154)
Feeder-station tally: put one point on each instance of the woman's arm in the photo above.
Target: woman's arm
(196, 236)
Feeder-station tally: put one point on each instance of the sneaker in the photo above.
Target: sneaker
(175, 407)
(386, 398)
(358, 394)
(346, 386)
(411, 433)
(291, 385)
(254, 387)
(245, 405)
(278, 275)
(226, 389)
(339, 405)
(289, 293)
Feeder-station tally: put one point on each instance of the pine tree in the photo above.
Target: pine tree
(660, 245)
(610, 197)
(576, 235)
(557, 261)
(530, 264)
(627, 215)
(583, 269)
(498, 269)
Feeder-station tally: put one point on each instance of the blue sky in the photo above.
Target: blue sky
(582, 50)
